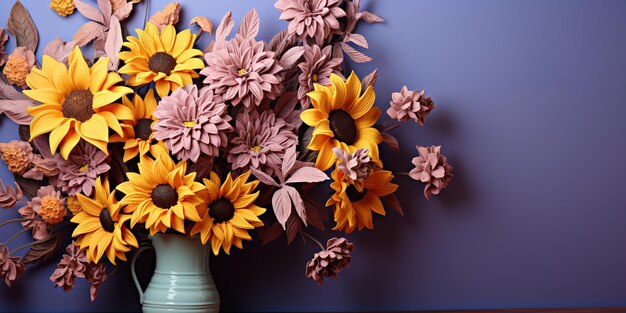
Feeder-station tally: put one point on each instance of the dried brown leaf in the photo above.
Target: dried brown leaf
(391, 141)
(393, 202)
(294, 225)
(204, 23)
(29, 186)
(21, 26)
(43, 250)
(168, 16)
(268, 233)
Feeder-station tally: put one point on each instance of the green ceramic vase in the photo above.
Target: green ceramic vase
(182, 279)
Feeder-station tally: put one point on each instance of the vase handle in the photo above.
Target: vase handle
(132, 269)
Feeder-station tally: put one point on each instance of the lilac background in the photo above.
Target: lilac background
(530, 111)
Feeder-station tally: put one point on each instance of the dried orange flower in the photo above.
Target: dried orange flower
(18, 66)
(63, 7)
(73, 205)
(52, 210)
(17, 155)
(168, 16)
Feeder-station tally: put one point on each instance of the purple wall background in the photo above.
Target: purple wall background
(530, 112)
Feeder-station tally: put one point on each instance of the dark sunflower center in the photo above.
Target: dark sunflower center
(162, 62)
(142, 129)
(106, 221)
(221, 210)
(78, 104)
(343, 126)
(355, 195)
(164, 196)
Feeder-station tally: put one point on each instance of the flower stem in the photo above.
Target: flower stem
(145, 16)
(15, 236)
(402, 173)
(314, 240)
(15, 220)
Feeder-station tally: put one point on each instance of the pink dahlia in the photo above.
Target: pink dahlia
(316, 68)
(261, 141)
(9, 195)
(192, 121)
(78, 173)
(312, 21)
(410, 104)
(355, 166)
(10, 266)
(330, 261)
(242, 71)
(432, 169)
(96, 275)
(73, 264)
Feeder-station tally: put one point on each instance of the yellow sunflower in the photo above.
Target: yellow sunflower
(230, 212)
(354, 205)
(162, 196)
(166, 58)
(101, 228)
(342, 117)
(77, 102)
(137, 132)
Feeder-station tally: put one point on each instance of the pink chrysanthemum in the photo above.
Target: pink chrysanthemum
(78, 173)
(432, 169)
(408, 104)
(261, 141)
(192, 121)
(316, 68)
(312, 21)
(241, 71)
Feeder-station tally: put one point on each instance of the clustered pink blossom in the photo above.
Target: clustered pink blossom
(312, 21)
(78, 173)
(261, 141)
(72, 265)
(432, 169)
(40, 229)
(242, 71)
(410, 104)
(9, 195)
(316, 68)
(329, 262)
(10, 266)
(355, 166)
(192, 121)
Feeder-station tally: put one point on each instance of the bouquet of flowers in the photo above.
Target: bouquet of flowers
(157, 135)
